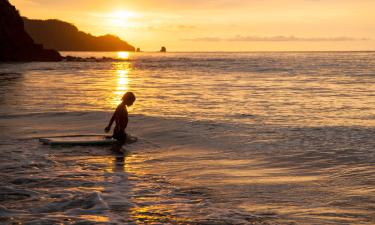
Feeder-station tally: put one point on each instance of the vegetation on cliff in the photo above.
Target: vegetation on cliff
(64, 36)
(15, 43)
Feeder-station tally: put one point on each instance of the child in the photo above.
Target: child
(120, 116)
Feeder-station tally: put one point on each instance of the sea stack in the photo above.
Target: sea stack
(15, 43)
(163, 49)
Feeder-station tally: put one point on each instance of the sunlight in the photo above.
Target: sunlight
(123, 55)
(121, 18)
(123, 14)
(122, 81)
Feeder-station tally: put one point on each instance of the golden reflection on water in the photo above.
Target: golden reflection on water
(123, 55)
(122, 83)
(134, 165)
(157, 214)
(97, 219)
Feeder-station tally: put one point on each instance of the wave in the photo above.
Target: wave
(45, 114)
(182, 169)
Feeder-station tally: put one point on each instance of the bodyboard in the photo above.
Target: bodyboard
(79, 140)
(88, 139)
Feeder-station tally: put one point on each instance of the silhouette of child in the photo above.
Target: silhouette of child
(120, 116)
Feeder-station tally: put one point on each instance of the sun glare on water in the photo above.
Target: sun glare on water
(123, 55)
(122, 83)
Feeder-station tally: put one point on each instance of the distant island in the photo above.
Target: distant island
(64, 36)
(15, 43)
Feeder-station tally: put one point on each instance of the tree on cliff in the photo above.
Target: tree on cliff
(15, 43)
(64, 36)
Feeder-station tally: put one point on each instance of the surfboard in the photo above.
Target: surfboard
(79, 140)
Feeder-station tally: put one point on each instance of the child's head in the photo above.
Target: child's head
(128, 98)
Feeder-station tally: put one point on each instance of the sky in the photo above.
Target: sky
(219, 25)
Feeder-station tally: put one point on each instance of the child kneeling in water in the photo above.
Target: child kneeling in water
(120, 116)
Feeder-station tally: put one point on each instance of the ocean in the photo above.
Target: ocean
(224, 138)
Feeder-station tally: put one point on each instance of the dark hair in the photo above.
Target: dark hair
(128, 97)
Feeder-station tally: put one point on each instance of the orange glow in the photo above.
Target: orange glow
(188, 26)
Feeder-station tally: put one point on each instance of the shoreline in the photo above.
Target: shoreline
(180, 164)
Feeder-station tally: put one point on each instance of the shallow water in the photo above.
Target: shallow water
(224, 138)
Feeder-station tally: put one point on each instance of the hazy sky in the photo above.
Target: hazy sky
(219, 25)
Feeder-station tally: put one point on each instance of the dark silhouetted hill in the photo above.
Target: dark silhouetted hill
(15, 43)
(64, 36)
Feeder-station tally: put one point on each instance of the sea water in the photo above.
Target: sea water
(224, 138)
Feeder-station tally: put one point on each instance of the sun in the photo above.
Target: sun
(121, 18)
(123, 14)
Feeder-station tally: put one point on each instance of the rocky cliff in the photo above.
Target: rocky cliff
(15, 43)
(64, 36)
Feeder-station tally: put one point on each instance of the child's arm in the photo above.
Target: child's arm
(108, 128)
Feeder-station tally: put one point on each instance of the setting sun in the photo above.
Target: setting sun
(123, 14)
(121, 18)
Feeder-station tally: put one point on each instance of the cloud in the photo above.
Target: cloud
(186, 27)
(161, 27)
(280, 38)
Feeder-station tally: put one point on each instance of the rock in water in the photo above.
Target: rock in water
(163, 49)
(15, 43)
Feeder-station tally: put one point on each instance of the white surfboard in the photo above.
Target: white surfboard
(79, 140)
(85, 139)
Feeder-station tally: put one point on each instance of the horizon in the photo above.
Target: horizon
(245, 51)
(222, 26)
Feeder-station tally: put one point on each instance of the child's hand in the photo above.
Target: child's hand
(107, 129)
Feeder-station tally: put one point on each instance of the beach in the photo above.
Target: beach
(224, 138)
